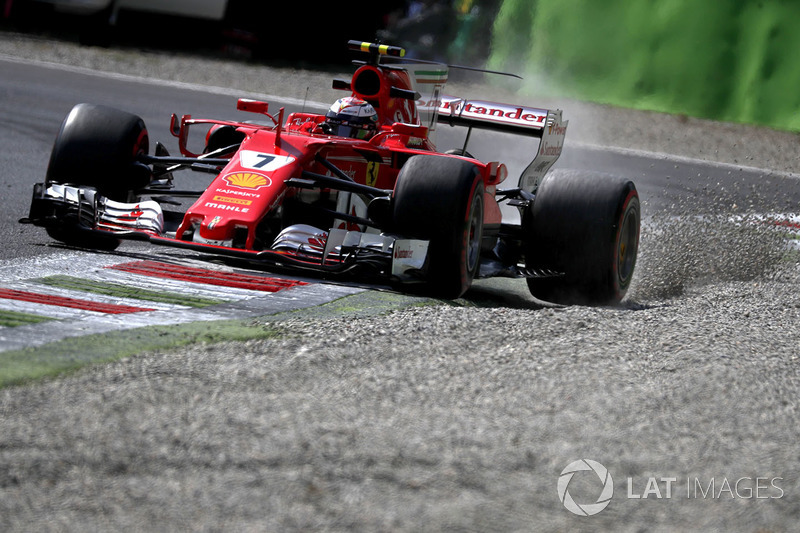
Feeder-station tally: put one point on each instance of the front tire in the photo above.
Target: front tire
(440, 199)
(586, 227)
(97, 146)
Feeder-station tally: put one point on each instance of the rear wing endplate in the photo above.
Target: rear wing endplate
(549, 151)
(543, 124)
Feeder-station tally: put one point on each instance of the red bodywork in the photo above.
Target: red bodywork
(252, 185)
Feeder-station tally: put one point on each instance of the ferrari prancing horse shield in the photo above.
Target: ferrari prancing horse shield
(372, 173)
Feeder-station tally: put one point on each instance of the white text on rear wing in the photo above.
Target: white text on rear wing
(492, 115)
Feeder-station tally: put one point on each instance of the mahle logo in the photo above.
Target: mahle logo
(585, 509)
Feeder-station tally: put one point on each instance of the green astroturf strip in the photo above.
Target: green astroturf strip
(12, 319)
(122, 291)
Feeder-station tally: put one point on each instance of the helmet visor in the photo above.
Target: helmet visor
(352, 131)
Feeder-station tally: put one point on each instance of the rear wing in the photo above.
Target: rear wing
(423, 83)
(491, 115)
(543, 124)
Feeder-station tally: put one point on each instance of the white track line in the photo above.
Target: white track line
(681, 159)
(223, 91)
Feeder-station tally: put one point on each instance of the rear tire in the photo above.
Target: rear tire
(440, 199)
(587, 227)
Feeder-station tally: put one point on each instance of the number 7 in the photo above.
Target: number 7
(265, 160)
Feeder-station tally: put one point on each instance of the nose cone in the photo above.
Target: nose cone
(216, 228)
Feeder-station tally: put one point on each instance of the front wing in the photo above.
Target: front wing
(82, 212)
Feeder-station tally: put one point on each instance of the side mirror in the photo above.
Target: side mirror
(252, 106)
(175, 125)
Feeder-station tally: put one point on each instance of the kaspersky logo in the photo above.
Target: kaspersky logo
(605, 487)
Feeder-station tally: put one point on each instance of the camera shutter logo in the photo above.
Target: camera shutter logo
(586, 509)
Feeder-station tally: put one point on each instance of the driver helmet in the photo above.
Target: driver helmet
(352, 117)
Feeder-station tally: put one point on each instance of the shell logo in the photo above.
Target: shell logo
(247, 180)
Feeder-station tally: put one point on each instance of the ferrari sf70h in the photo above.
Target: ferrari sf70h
(359, 191)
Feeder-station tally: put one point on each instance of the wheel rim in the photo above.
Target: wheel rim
(474, 233)
(628, 245)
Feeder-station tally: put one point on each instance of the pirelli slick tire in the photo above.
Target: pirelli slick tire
(440, 199)
(82, 239)
(97, 147)
(585, 226)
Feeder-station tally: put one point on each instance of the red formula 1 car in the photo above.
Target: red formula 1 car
(360, 191)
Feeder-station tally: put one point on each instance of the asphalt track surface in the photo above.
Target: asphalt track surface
(452, 417)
